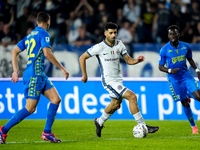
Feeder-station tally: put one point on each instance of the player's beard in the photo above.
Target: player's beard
(111, 40)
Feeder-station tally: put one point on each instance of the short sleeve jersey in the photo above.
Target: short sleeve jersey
(176, 58)
(34, 43)
(109, 60)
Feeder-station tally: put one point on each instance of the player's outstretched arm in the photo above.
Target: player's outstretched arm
(82, 62)
(131, 61)
(15, 56)
(49, 55)
(194, 66)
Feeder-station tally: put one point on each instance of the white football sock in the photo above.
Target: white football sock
(138, 117)
(105, 116)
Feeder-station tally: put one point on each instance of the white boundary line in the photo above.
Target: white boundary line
(99, 79)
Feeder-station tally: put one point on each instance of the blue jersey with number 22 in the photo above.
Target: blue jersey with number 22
(34, 43)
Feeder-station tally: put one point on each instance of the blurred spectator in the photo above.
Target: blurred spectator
(102, 16)
(22, 24)
(36, 6)
(131, 11)
(1, 25)
(62, 12)
(145, 31)
(20, 4)
(184, 5)
(98, 35)
(73, 23)
(85, 11)
(7, 12)
(194, 15)
(124, 34)
(83, 38)
(196, 38)
(50, 8)
(119, 18)
(7, 37)
(161, 22)
(182, 20)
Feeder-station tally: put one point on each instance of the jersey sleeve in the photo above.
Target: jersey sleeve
(162, 57)
(21, 44)
(94, 50)
(123, 48)
(45, 40)
(189, 52)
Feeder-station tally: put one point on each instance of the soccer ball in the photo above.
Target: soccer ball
(140, 131)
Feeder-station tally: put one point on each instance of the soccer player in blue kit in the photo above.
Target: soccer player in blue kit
(174, 55)
(37, 45)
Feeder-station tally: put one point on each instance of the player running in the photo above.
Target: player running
(37, 44)
(108, 53)
(174, 55)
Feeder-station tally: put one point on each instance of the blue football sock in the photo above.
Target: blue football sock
(51, 113)
(189, 115)
(19, 116)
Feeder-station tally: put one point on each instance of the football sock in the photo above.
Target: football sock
(105, 116)
(189, 115)
(51, 113)
(19, 116)
(138, 118)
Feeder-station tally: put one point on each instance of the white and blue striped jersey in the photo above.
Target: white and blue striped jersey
(109, 60)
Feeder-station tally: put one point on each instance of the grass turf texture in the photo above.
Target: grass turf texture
(117, 134)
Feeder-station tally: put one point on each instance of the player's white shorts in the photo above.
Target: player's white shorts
(115, 89)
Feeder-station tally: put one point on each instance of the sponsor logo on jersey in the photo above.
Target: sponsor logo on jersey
(170, 50)
(179, 58)
(111, 59)
(105, 53)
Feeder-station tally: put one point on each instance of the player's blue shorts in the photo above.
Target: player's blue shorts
(179, 88)
(34, 86)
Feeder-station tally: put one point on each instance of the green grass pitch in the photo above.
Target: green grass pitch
(117, 135)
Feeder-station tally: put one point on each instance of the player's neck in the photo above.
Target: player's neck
(42, 25)
(109, 43)
(175, 44)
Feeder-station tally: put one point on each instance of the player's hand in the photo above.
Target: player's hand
(15, 77)
(66, 74)
(140, 58)
(84, 79)
(198, 75)
(175, 70)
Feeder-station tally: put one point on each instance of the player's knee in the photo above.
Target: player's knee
(133, 98)
(31, 110)
(56, 100)
(118, 106)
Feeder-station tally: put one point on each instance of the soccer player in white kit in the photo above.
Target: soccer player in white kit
(108, 53)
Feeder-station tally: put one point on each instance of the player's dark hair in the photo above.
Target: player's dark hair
(43, 17)
(110, 25)
(173, 27)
